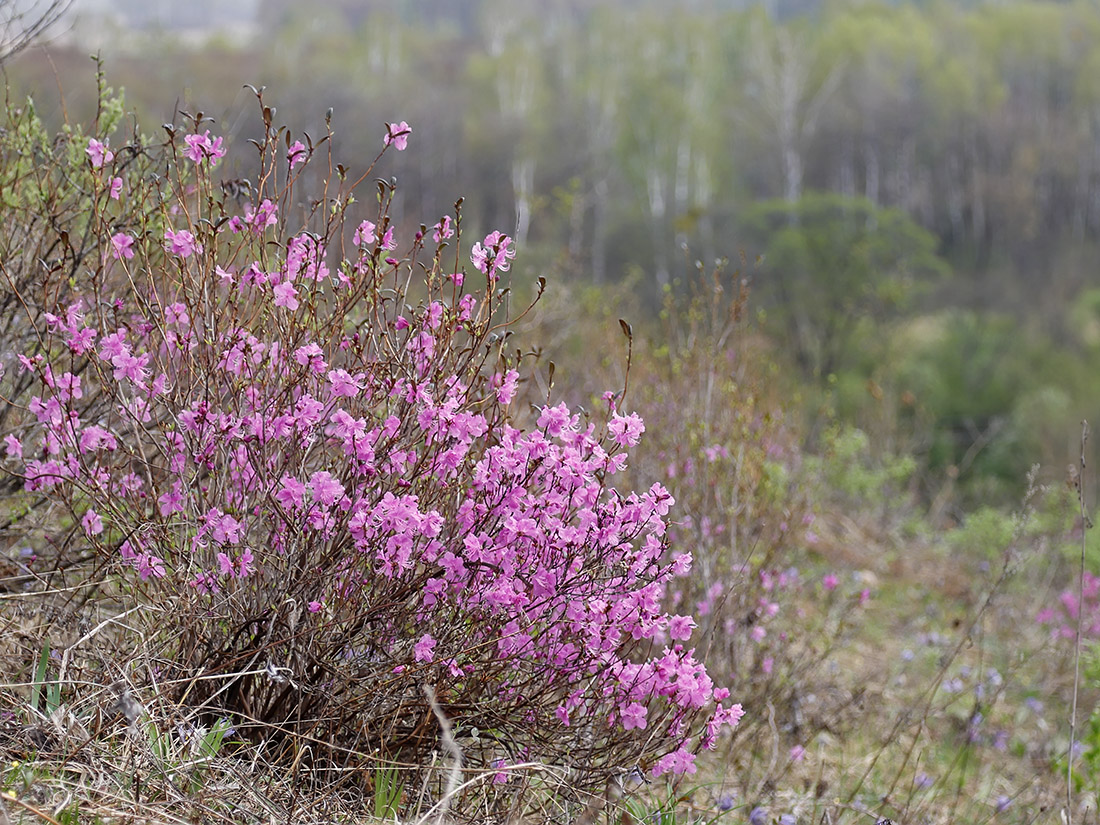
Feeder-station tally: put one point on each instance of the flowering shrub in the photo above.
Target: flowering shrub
(299, 450)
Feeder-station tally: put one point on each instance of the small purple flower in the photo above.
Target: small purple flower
(758, 816)
(725, 802)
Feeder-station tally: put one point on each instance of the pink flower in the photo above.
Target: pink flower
(633, 716)
(14, 447)
(286, 296)
(181, 243)
(494, 256)
(398, 135)
(506, 386)
(364, 234)
(797, 753)
(344, 385)
(829, 582)
(678, 762)
(625, 430)
(422, 650)
(443, 230)
(263, 217)
(149, 565)
(116, 188)
(92, 523)
(172, 501)
(680, 627)
(326, 489)
(99, 153)
(123, 246)
(296, 153)
(315, 606)
(202, 148)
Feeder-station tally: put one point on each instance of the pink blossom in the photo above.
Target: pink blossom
(286, 296)
(626, 430)
(296, 153)
(443, 230)
(122, 245)
(171, 501)
(679, 762)
(14, 447)
(422, 650)
(494, 256)
(149, 566)
(92, 523)
(181, 243)
(326, 489)
(398, 135)
(202, 148)
(99, 153)
(263, 217)
(633, 716)
(312, 356)
(315, 606)
(116, 188)
(82, 341)
(364, 234)
(680, 627)
(829, 581)
(343, 384)
(506, 386)
(798, 753)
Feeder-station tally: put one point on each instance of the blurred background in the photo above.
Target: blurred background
(912, 190)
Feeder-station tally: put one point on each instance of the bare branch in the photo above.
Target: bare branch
(21, 23)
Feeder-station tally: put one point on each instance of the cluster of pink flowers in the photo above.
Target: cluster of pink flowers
(204, 149)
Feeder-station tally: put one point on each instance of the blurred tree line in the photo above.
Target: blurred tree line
(922, 179)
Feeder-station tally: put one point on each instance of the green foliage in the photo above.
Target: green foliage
(43, 688)
(985, 534)
(388, 789)
(850, 471)
(830, 261)
(993, 397)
